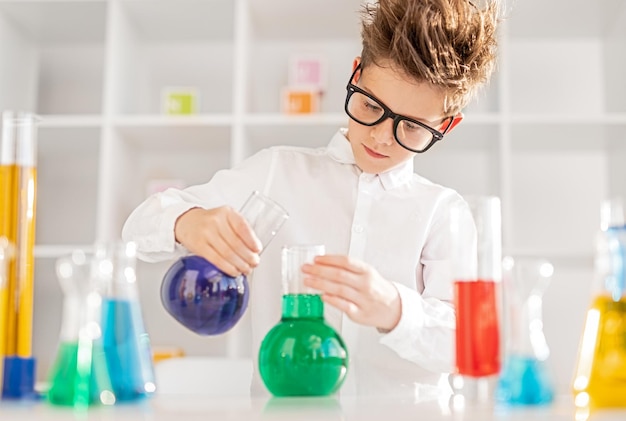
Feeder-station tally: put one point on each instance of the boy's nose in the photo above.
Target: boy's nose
(383, 132)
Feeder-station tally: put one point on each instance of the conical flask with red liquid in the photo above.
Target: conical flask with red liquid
(206, 300)
(600, 376)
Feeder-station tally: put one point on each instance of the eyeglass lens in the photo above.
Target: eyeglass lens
(368, 111)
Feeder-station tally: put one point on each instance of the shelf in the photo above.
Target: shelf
(53, 56)
(70, 121)
(154, 120)
(55, 251)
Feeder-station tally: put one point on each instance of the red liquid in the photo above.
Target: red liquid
(477, 328)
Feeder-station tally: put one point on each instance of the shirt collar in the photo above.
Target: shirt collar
(340, 150)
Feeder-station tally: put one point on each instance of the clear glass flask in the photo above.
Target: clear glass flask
(477, 271)
(79, 375)
(125, 341)
(203, 298)
(302, 355)
(600, 376)
(526, 378)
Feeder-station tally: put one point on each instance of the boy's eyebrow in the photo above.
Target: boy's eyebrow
(422, 120)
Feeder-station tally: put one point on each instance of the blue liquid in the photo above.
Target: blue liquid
(524, 381)
(127, 350)
(203, 298)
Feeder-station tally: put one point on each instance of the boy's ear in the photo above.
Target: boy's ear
(455, 120)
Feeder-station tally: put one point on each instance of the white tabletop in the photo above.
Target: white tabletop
(206, 408)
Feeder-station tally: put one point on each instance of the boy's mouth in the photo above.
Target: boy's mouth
(373, 153)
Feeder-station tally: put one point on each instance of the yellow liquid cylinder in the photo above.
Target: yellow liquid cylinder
(27, 179)
(600, 380)
(8, 188)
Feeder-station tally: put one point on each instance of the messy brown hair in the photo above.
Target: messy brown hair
(448, 43)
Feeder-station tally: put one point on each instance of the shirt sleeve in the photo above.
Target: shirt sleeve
(151, 224)
(425, 332)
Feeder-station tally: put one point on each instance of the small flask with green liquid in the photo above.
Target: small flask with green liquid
(302, 355)
(600, 377)
(79, 375)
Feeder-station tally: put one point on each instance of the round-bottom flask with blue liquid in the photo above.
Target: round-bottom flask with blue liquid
(203, 298)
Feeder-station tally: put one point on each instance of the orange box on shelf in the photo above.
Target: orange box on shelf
(300, 101)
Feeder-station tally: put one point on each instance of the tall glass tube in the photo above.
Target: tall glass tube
(19, 176)
(477, 254)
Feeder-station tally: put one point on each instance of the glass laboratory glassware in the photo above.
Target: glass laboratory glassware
(203, 298)
(600, 376)
(79, 376)
(125, 342)
(18, 193)
(477, 271)
(302, 355)
(6, 254)
(525, 378)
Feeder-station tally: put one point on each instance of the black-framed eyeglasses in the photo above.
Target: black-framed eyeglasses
(366, 109)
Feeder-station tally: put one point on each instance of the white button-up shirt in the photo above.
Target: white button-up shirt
(396, 221)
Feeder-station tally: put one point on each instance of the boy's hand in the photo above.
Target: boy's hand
(355, 288)
(220, 235)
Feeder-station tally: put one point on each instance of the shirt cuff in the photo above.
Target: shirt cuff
(411, 318)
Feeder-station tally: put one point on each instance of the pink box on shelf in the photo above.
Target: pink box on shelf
(308, 70)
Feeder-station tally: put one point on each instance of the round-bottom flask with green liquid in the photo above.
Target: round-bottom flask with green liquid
(302, 355)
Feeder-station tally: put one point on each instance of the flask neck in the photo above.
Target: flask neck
(303, 306)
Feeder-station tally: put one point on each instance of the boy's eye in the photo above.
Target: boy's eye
(372, 106)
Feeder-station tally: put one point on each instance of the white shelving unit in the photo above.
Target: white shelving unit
(548, 135)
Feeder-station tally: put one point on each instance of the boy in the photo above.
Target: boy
(386, 276)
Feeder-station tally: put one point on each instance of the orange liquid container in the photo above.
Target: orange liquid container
(600, 376)
(601, 372)
(25, 262)
(8, 188)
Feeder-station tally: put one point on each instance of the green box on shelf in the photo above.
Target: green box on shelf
(179, 101)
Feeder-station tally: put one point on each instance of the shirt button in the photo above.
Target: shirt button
(358, 228)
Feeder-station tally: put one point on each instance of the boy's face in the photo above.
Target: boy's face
(375, 148)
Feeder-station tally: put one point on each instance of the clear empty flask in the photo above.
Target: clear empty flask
(600, 377)
(525, 378)
(302, 355)
(79, 375)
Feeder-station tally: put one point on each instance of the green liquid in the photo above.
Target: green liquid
(74, 386)
(302, 355)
